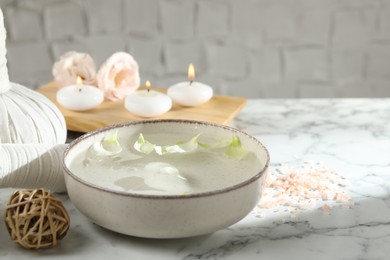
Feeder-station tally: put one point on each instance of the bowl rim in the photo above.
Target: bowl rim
(153, 196)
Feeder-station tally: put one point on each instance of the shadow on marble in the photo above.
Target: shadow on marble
(159, 244)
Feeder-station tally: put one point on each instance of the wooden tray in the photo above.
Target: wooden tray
(220, 109)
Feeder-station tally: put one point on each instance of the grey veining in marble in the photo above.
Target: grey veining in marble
(349, 135)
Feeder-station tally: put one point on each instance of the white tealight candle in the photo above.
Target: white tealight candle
(190, 93)
(79, 97)
(148, 103)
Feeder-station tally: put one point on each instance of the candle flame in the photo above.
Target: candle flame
(147, 84)
(79, 80)
(191, 72)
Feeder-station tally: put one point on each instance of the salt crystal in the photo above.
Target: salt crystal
(303, 188)
(326, 208)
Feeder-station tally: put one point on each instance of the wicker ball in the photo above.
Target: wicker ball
(36, 219)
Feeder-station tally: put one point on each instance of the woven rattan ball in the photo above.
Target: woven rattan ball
(36, 219)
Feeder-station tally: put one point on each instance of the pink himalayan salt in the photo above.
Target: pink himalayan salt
(302, 188)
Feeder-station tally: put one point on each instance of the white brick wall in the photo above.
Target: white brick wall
(306, 64)
(148, 54)
(104, 16)
(63, 20)
(213, 19)
(24, 25)
(246, 24)
(227, 61)
(265, 65)
(383, 30)
(141, 17)
(279, 21)
(347, 66)
(314, 26)
(36, 61)
(178, 55)
(352, 29)
(177, 18)
(251, 48)
(378, 62)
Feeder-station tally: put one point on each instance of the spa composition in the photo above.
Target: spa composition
(165, 178)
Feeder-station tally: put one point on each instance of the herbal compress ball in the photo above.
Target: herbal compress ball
(26, 116)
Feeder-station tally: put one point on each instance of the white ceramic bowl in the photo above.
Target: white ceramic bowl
(166, 216)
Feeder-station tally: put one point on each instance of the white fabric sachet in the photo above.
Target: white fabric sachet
(32, 166)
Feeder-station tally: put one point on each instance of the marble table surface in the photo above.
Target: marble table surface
(349, 135)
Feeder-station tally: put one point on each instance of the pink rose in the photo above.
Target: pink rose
(72, 65)
(118, 76)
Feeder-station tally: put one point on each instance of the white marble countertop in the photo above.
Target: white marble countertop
(349, 135)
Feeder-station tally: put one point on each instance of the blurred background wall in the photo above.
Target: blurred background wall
(251, 48)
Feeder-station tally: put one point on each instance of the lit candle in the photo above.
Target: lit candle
(190, 93)
(148, 103)
(79, 97)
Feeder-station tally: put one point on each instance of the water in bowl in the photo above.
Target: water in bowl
(199, 171)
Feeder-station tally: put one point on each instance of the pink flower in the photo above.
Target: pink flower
(72, 65)
(118, 76)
